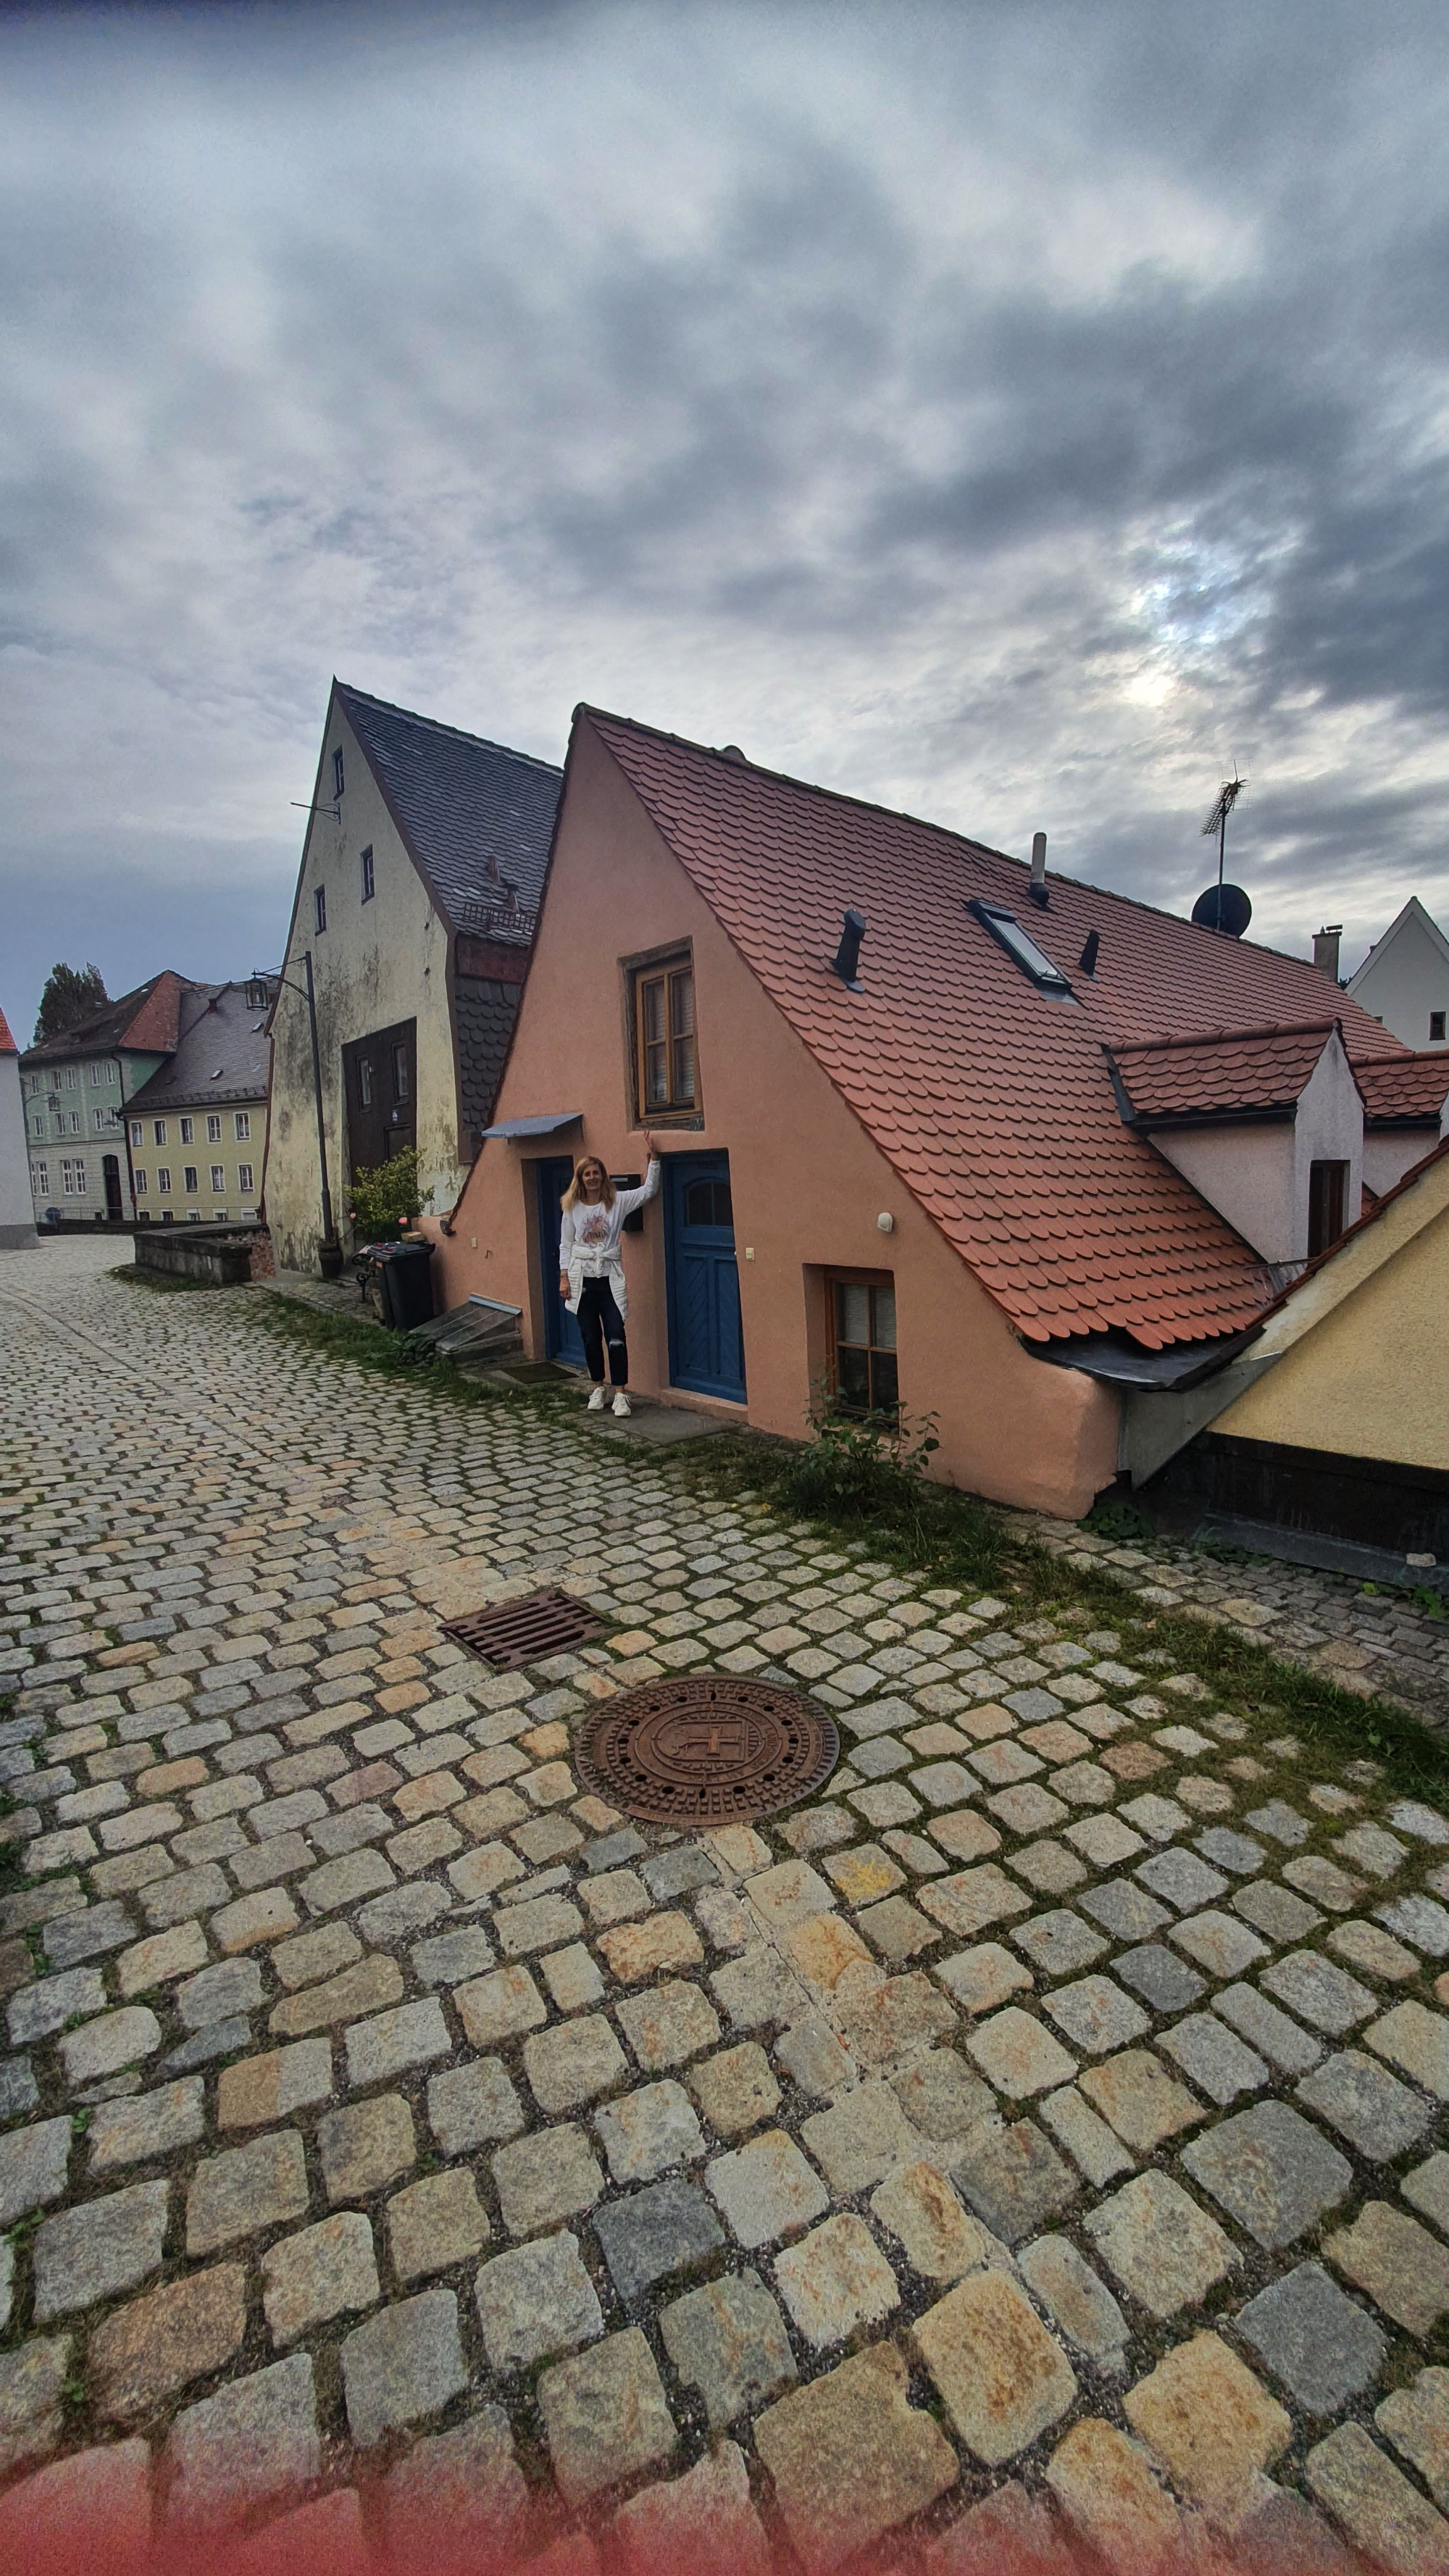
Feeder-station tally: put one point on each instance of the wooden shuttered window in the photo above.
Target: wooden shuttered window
(664, 1038)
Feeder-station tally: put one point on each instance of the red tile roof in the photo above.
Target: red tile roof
(1406, 1086)
(992, 1100)
(7, 1043)
(1233, 1069)
(147, 1019)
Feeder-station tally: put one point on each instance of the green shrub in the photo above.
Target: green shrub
(385, 1202)
(860, 1466)
(1121, 1522)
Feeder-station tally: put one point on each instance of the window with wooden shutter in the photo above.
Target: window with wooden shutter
(666, 1075)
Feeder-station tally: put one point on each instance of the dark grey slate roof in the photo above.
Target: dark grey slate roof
(476, 815)
(486, 1011)
(221, 1054)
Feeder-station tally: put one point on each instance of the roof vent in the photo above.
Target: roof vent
(1038, 887)
(846, 961)
(1020, 946)
(732, 751)
(1088, 959)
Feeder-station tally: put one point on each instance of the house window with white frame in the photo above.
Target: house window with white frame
(243, 1124)
(140, 1181)
(163, 1181)
(135, 1131)
(97, 1076)
(158, 1129)
(244, 1179)
(188, 1130)
(40, 1177)
(218, 1176)
(189, 1180)
(75, 1122)
(213, 1130)
(73, 1178)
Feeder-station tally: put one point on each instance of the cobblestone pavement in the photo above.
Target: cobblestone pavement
(1034, 2134)
(1371, 1641)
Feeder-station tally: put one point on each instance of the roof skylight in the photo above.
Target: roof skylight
(1020, 945)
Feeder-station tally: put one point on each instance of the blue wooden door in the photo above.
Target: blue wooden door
(706, 1346)
(562, 1339)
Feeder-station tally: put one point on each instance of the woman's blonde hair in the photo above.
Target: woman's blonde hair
(573, 1196)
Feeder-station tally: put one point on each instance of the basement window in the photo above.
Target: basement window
(1327, 1194)
(1020, 946)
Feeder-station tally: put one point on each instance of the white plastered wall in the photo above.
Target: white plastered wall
(1406, 977)
(376, 963)
(1257, 1175)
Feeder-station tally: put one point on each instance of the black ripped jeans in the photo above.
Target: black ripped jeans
(599, 1322)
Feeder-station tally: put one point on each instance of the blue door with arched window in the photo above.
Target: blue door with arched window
(706, 1345)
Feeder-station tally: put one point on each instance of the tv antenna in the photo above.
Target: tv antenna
(1217, 821)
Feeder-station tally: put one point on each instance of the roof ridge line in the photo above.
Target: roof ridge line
(435, 724)
(923, 823)
(810, 786)
(1221, 1037)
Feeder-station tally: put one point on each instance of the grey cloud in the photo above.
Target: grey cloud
(1014, 414)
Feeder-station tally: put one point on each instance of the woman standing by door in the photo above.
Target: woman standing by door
(591, 1268)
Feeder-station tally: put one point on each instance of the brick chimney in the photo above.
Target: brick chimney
(1325, 949)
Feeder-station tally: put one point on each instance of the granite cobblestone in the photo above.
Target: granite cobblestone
(358, 2052)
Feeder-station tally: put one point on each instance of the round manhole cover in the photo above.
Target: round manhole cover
(707, 1750)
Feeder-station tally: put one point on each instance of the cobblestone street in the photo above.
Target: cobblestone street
(1032, 2139)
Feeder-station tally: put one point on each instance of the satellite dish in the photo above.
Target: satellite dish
(1225, 908)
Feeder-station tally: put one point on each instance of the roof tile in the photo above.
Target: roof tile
(999, 1110)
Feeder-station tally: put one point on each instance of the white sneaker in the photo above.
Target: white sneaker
(597, 1400)
(622, 1404)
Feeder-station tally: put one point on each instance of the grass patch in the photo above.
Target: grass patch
(374, 1346)
(919, 1528)
(163, 1282)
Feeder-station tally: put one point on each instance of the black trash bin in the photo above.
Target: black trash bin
(407, 1284)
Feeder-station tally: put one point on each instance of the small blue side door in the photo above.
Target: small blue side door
(562, 1339)
(706, 1345)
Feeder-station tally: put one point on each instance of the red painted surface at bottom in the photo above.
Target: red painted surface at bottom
(92, 2515)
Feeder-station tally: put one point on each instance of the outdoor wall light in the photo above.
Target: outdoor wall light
(886, 1222)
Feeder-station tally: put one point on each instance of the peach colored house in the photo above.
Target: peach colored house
(926, 1162)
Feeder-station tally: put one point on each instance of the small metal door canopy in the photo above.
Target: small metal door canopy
(515, 1633)
(709, 1750)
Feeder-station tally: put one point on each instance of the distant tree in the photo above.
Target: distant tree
(71, 994)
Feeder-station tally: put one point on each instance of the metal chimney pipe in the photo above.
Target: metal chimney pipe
(1038, 886)
(1325, 949)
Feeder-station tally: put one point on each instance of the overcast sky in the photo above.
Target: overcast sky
(1014, 413)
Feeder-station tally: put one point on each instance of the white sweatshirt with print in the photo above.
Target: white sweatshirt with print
(588, 1241)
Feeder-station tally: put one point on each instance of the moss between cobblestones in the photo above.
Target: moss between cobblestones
(953, 1538)
(373, 1346)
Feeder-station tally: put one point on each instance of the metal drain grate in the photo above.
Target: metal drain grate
(515, 1633)
(709, 1750)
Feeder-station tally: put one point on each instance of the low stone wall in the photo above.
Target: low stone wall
(218, 1256)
